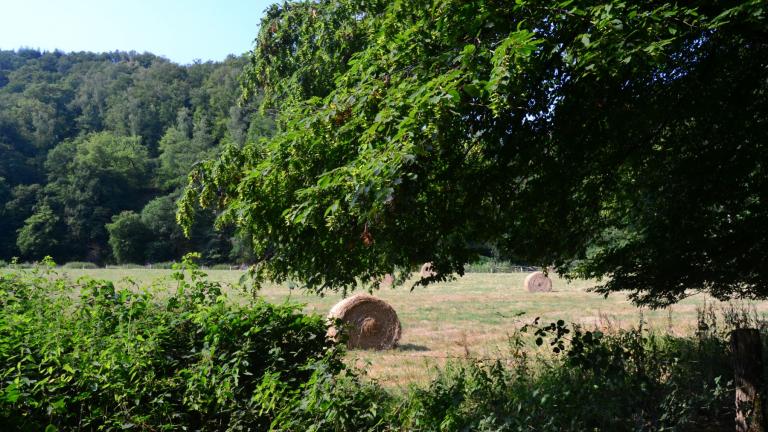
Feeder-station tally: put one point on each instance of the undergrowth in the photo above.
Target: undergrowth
(624, 381)
(84, 355)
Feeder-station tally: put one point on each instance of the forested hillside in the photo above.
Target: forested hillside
(94, 149)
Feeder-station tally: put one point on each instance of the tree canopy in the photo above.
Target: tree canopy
(604, 138)
(85, 137)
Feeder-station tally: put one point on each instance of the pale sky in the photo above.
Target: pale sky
(181, 30)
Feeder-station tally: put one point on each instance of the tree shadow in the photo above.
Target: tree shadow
(412, 347)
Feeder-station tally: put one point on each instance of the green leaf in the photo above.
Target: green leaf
(12, 393)
(332, 208)
(472, 90)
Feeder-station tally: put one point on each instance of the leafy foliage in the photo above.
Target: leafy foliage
(37, 235)
(84, 137)
(121, 359)
(622, 381)
(128, 237)
(91, 178)
(577, 134)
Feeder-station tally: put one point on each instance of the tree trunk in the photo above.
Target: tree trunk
(748, 379)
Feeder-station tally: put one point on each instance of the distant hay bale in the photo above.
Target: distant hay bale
(538, 282)
(427, 270)
(373, 324)
(388, 281)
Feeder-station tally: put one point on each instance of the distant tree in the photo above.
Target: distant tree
(150, 103)
(37, 238)
(184, 122)
(92, 98)
(179, 151)
(173, 159)
(37, 122)
(618, 139)
(167, 240)
(242, 250)
(22, 200)
(18, 163)
(7, 233)
(5, 192)
(128, 237)
(93, 178)
(19, 205)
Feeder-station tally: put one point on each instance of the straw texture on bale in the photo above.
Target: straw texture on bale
(373, 324)
(538, 282)
(426, 270)
(388, 281)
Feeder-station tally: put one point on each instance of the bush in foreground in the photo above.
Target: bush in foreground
(626, 381)
(116, 359)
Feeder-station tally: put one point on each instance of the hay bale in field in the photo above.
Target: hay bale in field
(373, 324)
(426, 270)
(538, 282)
(388, 281)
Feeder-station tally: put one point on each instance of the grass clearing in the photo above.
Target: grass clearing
(469, 317)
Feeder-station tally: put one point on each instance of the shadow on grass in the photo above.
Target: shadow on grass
(412, 347)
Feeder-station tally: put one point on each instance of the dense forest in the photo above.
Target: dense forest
(94, 149)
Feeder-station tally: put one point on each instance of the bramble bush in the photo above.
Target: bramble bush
(85, 355)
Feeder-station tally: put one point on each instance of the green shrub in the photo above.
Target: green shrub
(627, 381)
(115, 359)
(80, 265)
(336, 402)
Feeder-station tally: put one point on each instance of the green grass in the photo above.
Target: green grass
(472, 316)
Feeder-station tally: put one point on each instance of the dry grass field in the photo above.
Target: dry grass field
(469, 317)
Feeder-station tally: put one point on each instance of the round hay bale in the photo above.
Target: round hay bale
(538, 282)
(426, 270)
(388, 281)
(373, 324)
